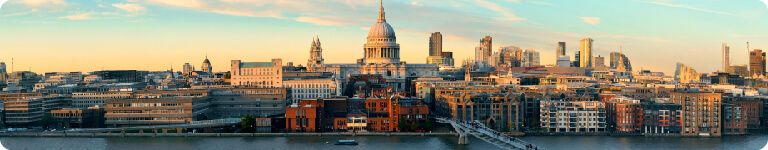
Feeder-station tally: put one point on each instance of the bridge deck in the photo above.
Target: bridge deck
(486, 134)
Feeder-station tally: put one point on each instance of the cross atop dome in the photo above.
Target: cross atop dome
(382, 18)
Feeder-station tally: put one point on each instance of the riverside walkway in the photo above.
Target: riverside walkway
(193, 124)
(486, 134)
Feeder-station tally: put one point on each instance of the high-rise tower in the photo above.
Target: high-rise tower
(726, 57)
(436, 44)
(560, 49)
(585, 52)
(757, 63)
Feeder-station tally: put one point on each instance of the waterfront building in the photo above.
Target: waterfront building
(585, 52)
(757, 63)
(239, 102)
(701, 113)
(751, 108)
(662, 117)
(726, 50)
(154, 111)
(257, 74)
(734, 120)
(92, 117)
(304, 116)
(573, 116)
(381, 57)
(530, 58)
(685, 74)
(626, 114)
(207, 67)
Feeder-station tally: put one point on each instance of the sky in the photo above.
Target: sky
(90, 35)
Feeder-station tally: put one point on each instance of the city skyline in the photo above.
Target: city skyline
(58, 35)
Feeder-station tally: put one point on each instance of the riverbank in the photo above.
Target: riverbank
(63, 134)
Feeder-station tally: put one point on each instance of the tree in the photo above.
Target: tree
(247, 124)
(402, 125)
(48, 121)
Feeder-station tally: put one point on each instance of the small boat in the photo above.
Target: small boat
(346, 142)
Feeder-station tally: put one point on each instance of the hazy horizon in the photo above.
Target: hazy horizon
(83, 35)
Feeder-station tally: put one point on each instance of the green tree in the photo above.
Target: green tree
(402, 125)
(48, 121)
(247, 124)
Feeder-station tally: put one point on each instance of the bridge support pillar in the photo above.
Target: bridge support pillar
(463, 139)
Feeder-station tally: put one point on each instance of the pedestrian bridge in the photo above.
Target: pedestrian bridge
(479, 130)
(193, 124)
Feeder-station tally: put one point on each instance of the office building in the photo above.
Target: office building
(757, 63)
(599, 61)
(530, 58)
(585, 52)
(560, 49)
(483, 52)
(726, 58)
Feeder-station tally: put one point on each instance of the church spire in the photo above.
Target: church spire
(382, 18)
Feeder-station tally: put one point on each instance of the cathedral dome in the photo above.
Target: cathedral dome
(381, 31)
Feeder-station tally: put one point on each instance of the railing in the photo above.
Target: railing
(479, 128)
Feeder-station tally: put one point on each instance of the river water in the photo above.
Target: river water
(379, 143)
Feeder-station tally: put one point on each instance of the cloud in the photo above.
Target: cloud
(130, 7)
(765, 2)
(2, 2)
(79, 16)
(670, 4)
(41, 3)
(506, 13)
(591, 20)
(320, 21)
(180, 3)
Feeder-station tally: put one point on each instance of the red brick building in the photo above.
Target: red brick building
(303, 117)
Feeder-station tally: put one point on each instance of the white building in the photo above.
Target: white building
(312, 88)
(573, 116)
(257, 74)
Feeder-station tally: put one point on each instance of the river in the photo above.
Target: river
(377, 142)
